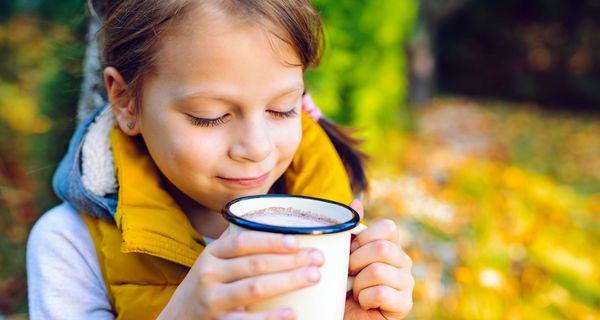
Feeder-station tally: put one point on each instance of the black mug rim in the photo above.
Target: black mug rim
(252, 225)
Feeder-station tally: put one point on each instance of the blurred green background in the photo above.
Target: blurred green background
(481, 117)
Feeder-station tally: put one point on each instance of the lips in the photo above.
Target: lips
(246, 182)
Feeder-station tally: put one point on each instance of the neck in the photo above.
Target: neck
(207, 222)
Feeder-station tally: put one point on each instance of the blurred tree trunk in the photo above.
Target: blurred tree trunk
(93, 93)
(421, 50)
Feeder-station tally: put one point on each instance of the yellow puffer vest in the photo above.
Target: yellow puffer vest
(148, 252)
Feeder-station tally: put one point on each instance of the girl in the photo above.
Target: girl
(205, 105)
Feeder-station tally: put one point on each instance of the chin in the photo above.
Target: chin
(218, 203)
(248, 193)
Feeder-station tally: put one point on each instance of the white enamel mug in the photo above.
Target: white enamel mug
(326, 299)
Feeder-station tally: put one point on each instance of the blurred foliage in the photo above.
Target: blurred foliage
(361, 80)
(495, 228)
(41, 48)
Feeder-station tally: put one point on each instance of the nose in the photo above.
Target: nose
(253, 141)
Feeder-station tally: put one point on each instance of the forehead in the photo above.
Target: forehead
(214, 47)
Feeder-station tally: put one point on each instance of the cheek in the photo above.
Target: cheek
(289, 139)
(192, 152)
(177, 148)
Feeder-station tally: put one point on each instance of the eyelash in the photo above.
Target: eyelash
(206, 122)
(283, 115)
(201, 122)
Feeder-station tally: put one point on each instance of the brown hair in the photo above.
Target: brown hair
(132, 30)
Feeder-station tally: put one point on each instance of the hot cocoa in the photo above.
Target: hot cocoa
(289, 217)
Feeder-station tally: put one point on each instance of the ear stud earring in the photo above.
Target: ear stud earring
(130, 125)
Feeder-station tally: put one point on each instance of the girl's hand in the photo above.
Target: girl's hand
(239, 269)
(383, 285)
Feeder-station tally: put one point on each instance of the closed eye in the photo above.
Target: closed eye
(283, 115)
(202, 122)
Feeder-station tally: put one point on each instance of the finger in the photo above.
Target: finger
(377, 274)
(254, 265)
(237, 244)
(250, 290)
(391, 302)
(357, 205)
(382, 251)
(279, 314)
(385, 229)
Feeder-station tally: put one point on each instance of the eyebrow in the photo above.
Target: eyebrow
(220, 95)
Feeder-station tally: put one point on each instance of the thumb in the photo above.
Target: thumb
(357, 205)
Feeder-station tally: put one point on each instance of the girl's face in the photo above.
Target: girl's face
(221, 114)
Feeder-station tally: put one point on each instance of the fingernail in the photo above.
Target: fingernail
(287, 314)
(353, 246)
(290, 242)
(312, 274)
(316, 257)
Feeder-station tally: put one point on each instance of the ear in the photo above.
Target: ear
(122, 101)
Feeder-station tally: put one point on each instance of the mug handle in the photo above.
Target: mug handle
(358, 229)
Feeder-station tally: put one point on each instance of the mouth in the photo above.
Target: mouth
(246, 182)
